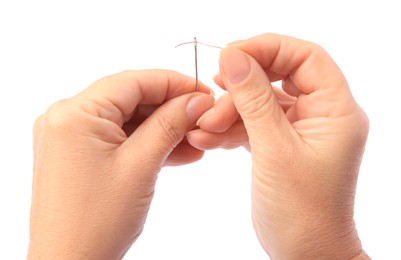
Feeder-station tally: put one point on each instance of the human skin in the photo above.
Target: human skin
(307, 142)
(96, 160)
(97, 155)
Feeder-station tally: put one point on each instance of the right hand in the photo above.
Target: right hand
(306, 153)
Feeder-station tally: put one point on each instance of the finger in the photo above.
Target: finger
(307, 64)
(116, 97)
(284, 100)
(155, 139)
(184, 153)
(219, 118)
(224, 114)
(234, 137)
(315, 78)
(280, 94)
(253, 96)
(271, 75)
(140, 114)
(219, 82)
(290, 88)
(36, 131)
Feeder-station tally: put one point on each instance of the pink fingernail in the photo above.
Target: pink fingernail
(206, 114)
(196, 107)
(235, 65)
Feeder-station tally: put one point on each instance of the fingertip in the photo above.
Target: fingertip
(203, 140)
(234, 137)
(251, 92)
(206, 114)
(221, 117)
(235, 65)
(197, 106)
(212, 93)
(234, 43)
(219, 81)
(205, 89)
(166, 127)
(184, 153)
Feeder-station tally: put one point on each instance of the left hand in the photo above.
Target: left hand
(96, 160)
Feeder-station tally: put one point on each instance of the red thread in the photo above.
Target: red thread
(193, 42)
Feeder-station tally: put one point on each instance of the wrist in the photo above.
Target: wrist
(361, 256)
(318, 239)
(327, 245)
(346, 248)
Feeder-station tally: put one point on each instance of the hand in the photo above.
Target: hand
(96, 160)
(306, 143)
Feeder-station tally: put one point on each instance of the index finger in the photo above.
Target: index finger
(116, 97)
(306, 64)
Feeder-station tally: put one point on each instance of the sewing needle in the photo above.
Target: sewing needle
(196, 64)
(195, 42)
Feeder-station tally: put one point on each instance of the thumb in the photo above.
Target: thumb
(253, 96)
(154, 140)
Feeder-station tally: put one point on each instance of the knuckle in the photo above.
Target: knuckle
(59, 115)
(363, 126)
(170, 129)
(253, 103)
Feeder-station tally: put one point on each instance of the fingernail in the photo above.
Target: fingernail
(208, 113)
(212, 93)
(234, 64)
(197, 106)
(216, 76)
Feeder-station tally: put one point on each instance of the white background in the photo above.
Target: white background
(51, 50)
